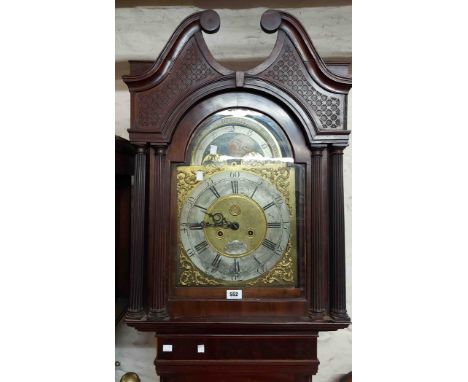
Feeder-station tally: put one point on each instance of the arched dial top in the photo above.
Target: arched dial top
(235, 226)
(236, 135)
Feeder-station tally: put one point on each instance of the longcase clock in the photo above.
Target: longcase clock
(237, 258)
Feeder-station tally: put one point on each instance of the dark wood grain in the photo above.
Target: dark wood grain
(158, 226)
(135, 309)
(337, 238)
(317, 309)
(124, 168)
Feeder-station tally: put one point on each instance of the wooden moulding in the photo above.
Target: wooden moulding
(186, 72)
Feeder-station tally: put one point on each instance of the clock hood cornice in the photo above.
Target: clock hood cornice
(186, 73)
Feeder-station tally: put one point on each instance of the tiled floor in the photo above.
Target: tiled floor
(136, 352)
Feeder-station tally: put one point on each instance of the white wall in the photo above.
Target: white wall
(141, 33)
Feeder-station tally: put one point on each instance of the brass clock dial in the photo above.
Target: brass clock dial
(235, 225)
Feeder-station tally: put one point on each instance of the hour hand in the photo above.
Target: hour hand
(220, 221)
(194, 226)
(217, 217)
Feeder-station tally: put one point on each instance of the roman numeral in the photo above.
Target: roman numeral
(279, 251)
(269, 244)
(253, 193)
(200, 247)
(235, 186)
(274, 225)
(236, 266)
(260, 269)
(268, 206)
(202, 208)
(214, 191)
(217, 260)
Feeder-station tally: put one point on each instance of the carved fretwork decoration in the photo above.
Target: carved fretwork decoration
(289, 72)
(186, 72)
(189, 72)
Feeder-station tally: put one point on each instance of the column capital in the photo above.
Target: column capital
(317, 149)
(337, 148)
(159, 148)
(140, 148)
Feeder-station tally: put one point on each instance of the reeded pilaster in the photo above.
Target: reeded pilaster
(135, 309)
(159, 222)
(317, 309)
(337, 236)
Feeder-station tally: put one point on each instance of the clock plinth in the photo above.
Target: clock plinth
(238, 211)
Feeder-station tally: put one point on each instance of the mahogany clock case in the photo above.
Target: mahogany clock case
(171, 99)
(174, 96)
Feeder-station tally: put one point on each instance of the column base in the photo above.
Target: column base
(158, 315)
(340, 315)
(133, 315)
(318, 315)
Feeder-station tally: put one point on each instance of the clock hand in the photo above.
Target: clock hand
(234, 226)
(220, 221)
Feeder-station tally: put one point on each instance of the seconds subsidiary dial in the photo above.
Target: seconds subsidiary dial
(234, 226)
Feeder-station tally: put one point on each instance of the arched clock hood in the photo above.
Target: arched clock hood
(186, 72)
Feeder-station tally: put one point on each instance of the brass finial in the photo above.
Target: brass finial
(130, 377)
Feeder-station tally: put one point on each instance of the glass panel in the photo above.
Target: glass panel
(238, 134)
(239, 205)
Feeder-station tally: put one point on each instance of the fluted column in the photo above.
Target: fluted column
(318, 304)
(135, 309)
(159, 227)
(337, 237)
